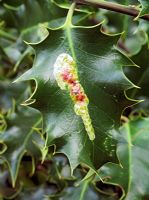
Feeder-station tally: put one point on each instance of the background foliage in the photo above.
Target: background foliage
(45, 152)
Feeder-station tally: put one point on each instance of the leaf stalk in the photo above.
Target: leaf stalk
(68, 21)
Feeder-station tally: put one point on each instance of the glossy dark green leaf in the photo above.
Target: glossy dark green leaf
(47, 180)
(12, 92)
(144, 26)
(99, 65)
(6, 190)
(31, 13)
(19, 138)
(140, 77)
(84, 191)
(145, 7)
(132, 150)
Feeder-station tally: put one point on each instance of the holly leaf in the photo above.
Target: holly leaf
(132, 152)
(12, 92)
(100, 72)
(85, 190)
(144, 8)
(140, 77)
(144, 27)
(29, 14)
(20, 138)
(5, 189)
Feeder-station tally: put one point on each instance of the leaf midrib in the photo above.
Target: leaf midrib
(70, 42)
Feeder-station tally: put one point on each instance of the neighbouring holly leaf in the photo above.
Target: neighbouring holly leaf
(140, 77)
(132, 151)
(48, 178)
(6, 190)
(14, 53)
(145, 7)
(144, 26)
(11, 92)
(134, 41)
(38, 193)
(133, 38)
(124, 20)
(85, 190)
(31, 13)
(100, 72)
(20, 138)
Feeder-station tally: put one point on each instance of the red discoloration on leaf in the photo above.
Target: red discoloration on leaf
(65, 75)
(72, 81)
(80, 97)
(75, 88)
